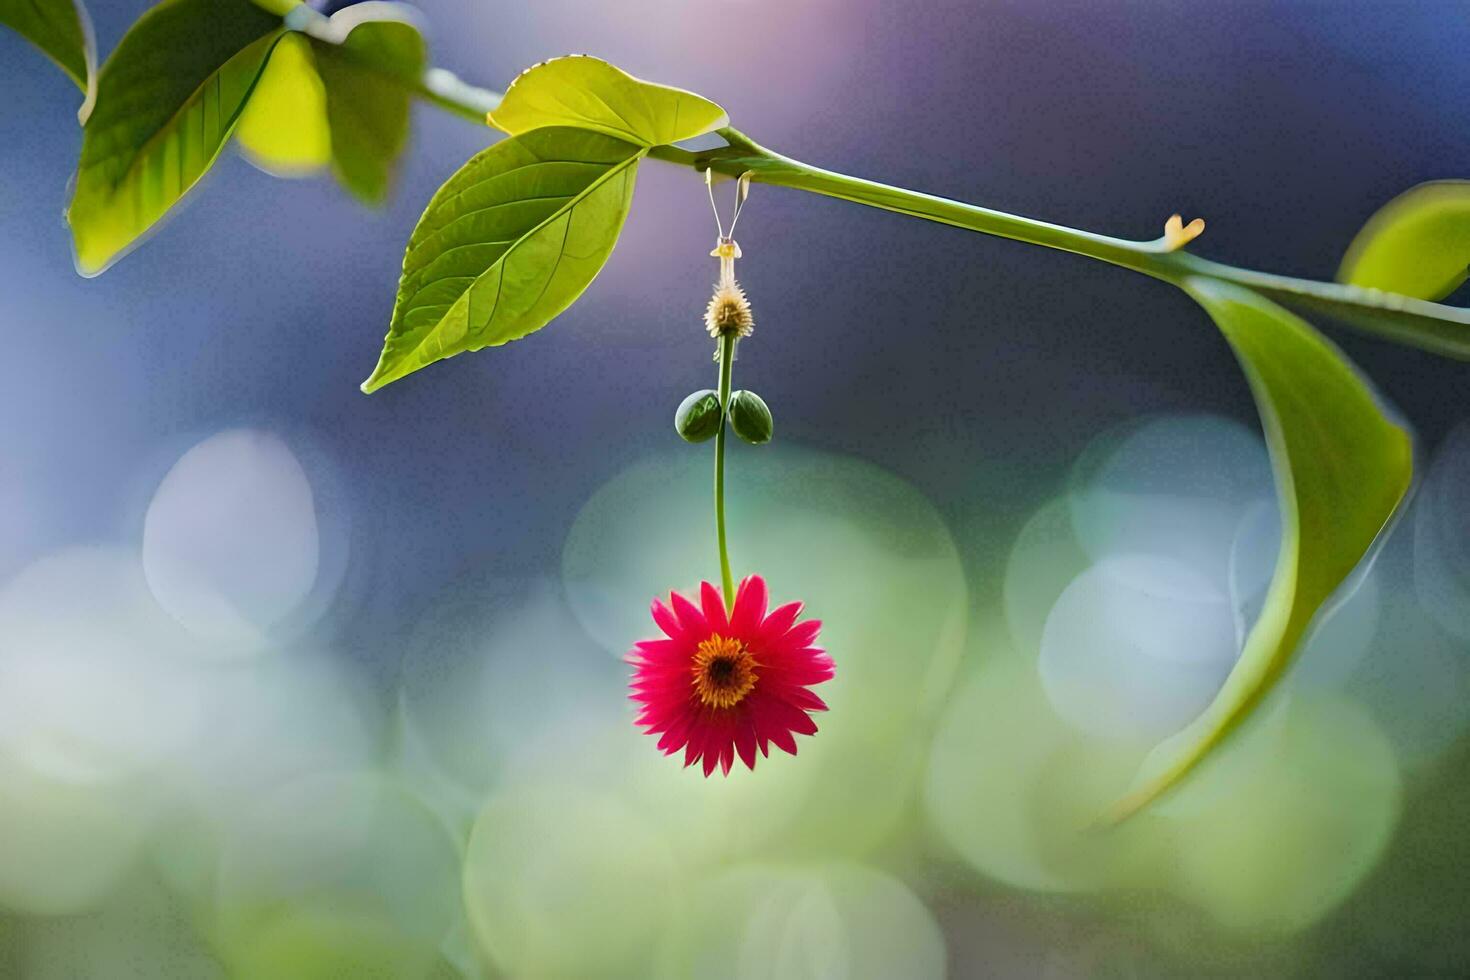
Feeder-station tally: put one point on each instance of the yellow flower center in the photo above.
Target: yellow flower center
(724, 672)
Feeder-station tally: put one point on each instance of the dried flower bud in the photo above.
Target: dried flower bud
(728, 312)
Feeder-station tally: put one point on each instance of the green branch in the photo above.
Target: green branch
(1435, 327)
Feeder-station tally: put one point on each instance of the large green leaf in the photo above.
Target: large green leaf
(167, 100)
(1342, 468)
(1418, 244)
(589, 93)
(506, 244)
(61, 30)
(370, 57)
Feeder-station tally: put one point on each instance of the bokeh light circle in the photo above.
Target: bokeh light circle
(94, 679)
(1310, 819)
(498, 675)
(565, 883)
(1136, 647)
(67, 846)
(1441, 530)
(142, 932)
(1043, 561)
(338, 874)
(836, 920)
(230, 541)
(1173, 486)
(976, 793)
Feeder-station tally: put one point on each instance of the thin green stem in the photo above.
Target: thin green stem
(743, 155)
(1434, 327)
(727, 366)
(449, 92)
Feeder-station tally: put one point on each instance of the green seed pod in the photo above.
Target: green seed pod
(750, 418)
(698, 417)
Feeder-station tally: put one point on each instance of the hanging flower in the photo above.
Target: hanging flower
(716, 685)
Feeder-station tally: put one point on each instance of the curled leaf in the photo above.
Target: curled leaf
(1342, 468)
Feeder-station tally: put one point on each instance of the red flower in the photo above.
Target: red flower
(718, 684)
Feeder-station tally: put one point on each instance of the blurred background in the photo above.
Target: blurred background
(300, 683)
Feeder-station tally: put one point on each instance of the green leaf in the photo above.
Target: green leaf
(167, 100)
(1418, 244)
(62, 31)
(370, 57)
(1342, 468)
(282, 8)
(283, 129)
(589, 93)
(339, 95)
(1435, 327)
(506, 244)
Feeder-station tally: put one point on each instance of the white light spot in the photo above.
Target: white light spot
(1136, 647)
(92, 680)
(230, 542)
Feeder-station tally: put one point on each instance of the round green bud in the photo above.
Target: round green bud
(698, 417)
(750, 418)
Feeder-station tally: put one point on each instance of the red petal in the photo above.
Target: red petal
(654, 724)
(803, 699)
(798, 674)
(666, 620)
(800, 635)
(659, 651)
(780, 620)
(765, 714)
(714, 608)
(750, 607)
(690, 618)
(661, 683)
(793, 718)
(783, 740)
(745, 741)
(677, 735)
(695, 745)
